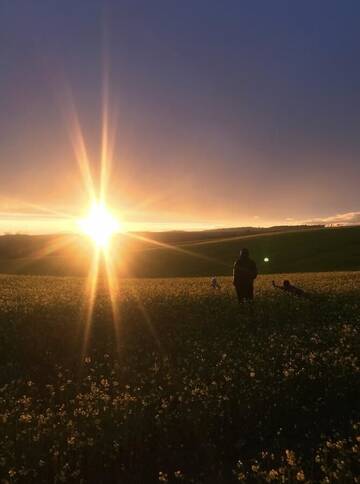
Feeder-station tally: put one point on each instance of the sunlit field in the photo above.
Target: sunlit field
(188, 387)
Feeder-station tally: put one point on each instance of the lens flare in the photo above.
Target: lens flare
(100, 225)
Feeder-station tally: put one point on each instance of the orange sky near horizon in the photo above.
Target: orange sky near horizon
(65, 200)
(217, 116)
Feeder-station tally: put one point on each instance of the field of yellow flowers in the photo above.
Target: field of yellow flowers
(179, 383)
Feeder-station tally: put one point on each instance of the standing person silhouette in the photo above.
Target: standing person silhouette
(244, 274)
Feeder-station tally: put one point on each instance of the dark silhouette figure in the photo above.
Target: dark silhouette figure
(245, 272)
(214, 283)
(288, 287)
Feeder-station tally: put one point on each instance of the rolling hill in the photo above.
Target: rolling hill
(307, 250)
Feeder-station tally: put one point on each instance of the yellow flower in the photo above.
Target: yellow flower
(12, 472)
(300, 476)
(273, 474)
(290, 457)
(25, 418)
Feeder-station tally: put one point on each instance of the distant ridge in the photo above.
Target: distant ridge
(188, 254)
(180, 236)
(24, 245)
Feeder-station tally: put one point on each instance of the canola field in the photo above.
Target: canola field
(179, 383)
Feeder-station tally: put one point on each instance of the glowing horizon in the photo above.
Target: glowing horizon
(33, 224)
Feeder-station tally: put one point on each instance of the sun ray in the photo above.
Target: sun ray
(54, 245)
(146, 202)
(21, 205)
(108, 129)
(175, 248)
(100, 225)
(90, 295)
(113, 288)
(59, 243)
(104, 157)
(79, 146)
(146, 316)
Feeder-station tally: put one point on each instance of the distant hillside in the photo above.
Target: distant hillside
(20, 245)
(306, 250)
(178, 236)
(325, 249)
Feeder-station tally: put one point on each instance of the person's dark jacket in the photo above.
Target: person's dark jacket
(245, 271)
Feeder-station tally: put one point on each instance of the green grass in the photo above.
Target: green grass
(310, 250)
(301, 251)
(186, 386)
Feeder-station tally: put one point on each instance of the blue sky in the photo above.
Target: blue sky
(228, 113)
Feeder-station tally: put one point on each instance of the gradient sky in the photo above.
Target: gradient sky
(228, 112)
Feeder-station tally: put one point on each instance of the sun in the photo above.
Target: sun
(100, 225)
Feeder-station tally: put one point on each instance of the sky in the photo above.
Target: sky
(224, 113)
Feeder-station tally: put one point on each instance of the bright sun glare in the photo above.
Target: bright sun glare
(100, 225)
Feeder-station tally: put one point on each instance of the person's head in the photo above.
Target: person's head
(286, 283)
(244, 253)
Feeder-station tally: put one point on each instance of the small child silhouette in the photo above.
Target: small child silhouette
(214, 283)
